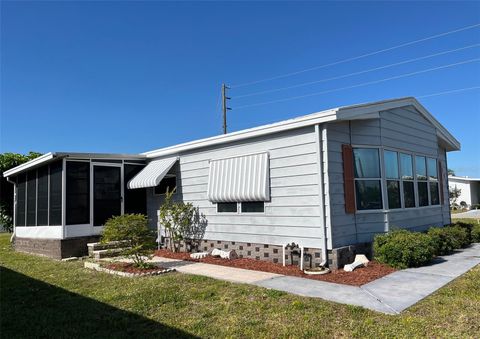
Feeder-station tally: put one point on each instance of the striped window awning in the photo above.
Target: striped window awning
(152, 174)
(244, 178)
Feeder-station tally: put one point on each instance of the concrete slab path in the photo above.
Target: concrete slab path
(391, 294)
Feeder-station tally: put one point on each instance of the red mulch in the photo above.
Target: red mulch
(359, 277)
(130, 268)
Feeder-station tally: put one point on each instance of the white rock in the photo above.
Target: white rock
(70, 259)
(224, 254)
(353, 266)
(199, 255)
(361, 258)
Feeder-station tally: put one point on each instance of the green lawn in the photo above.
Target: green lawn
(46, 298)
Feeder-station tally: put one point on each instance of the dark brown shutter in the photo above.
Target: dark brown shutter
(348, 182)
(440, 181)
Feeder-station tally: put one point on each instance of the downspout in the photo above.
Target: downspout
(14, 206)
(321, 188)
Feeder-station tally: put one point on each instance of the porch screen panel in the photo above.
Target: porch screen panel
(31, 198)
(42, 197)
(245, 178)
(135, 199)
(21, 200)
(77, 193)
(55, 188)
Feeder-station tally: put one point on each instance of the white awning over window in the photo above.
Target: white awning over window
(152, 174)
(245, 178)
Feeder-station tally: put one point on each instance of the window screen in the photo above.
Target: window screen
(42, 197)
(135, 199)
(253, 207)
(77, 193)
(167, 183)
(31, 198)
(227, 207)
(55, 187)
(368, 194)
(21, 200)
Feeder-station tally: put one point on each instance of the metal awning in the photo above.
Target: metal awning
(152, 174)
(244, 178)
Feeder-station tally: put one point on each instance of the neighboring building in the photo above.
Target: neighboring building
(469, 189)
(328, 181)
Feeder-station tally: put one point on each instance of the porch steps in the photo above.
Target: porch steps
(99, 250)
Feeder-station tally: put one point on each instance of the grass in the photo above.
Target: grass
(45, 298)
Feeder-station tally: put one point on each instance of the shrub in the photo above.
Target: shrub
(476, 233)
(402, 249)
(467, 226)
(446, 239)
(131, 229)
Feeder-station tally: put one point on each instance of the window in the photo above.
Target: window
(135, 199)
(32, 198)
(409, 194)
(393, 193)
(55, 190)
(422, 184)
(406, 166)
(21, 200)
(77, 192)
(433, 181)
(168, 183)
(368, 190)
(227, 207)
(393, 179)
(42, 196)
(253, 207)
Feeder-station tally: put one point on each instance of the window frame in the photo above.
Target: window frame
(383, 180)
(382, 175)
(239, 208)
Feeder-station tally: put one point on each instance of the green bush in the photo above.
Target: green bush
(402, 249)
(447, 239)
(466, 225)
(133, 231)
(476, 233)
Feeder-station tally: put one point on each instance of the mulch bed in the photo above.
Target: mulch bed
(130, 268)
(359, 277)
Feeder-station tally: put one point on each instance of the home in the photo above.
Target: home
(469, 190)
(327, 181)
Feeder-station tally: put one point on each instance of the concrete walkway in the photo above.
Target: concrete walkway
(391, 294)
(474, 214)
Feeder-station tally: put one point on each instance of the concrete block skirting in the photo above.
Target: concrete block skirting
(266, 252)
(55, 248)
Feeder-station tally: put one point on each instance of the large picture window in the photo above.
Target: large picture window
(77, 192)
(368, 189)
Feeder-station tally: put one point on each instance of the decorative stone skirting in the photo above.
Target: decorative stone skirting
(266, 252)
(98, 267)
(55, 248)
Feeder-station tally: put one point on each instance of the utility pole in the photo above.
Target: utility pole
(224, 107)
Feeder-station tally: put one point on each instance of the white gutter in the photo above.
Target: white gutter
(321, 196)
(41, 159)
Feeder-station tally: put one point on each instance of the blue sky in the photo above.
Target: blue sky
(134, 76)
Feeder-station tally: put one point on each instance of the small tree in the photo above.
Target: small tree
(132, 230)
(453, 194)
(177, 218)
(451, 172)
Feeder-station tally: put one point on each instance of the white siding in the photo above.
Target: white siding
(403, 129)
(293, 212)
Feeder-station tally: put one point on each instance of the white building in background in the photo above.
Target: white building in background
(470, 189)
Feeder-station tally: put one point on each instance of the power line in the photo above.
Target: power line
(361, 84)
(448, 92)
(357, 57)
(355, 73)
